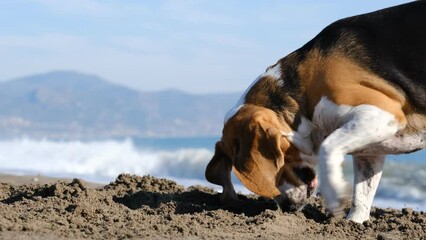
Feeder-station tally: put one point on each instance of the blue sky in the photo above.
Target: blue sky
(198, 46)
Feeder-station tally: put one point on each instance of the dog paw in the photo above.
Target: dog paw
(336, 198)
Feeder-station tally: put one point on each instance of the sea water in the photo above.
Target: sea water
(403, 183)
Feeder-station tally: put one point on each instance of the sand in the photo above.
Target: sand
(151, 208)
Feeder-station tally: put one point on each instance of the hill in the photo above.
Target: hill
(66, 104)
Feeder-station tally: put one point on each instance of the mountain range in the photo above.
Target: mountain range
(71, 105)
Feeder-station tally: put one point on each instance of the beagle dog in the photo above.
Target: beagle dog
(358, 88)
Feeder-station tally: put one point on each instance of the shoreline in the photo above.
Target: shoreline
(153, 208)
(18, 180)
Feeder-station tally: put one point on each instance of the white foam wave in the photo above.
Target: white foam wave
(398, 204)
(403, 184)
(101, 161)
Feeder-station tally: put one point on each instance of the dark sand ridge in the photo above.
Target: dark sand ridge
(152, 208)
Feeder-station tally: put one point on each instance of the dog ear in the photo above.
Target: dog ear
(260, 159)
(219, 167)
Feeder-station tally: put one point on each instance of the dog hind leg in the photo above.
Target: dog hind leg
(367, 174)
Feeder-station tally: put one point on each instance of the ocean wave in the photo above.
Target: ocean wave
(102, 160)
(403, 183)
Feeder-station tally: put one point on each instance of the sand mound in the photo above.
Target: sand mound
(152, 208)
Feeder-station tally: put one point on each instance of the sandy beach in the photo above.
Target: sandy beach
(151, 208)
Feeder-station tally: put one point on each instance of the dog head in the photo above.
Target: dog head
(265, 155)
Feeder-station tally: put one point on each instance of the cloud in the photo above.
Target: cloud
(50, 42)
(76, 6)
(227, 40)
(92, 7)
(197, 13)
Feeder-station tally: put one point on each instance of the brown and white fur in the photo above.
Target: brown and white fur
(358, 88)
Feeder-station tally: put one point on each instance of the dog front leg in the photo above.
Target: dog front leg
(364, 125)
(367, 174)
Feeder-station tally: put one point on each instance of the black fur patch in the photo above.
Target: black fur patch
(391, 43)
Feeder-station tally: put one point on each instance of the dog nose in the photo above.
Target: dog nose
(307, 175)
(314, 183)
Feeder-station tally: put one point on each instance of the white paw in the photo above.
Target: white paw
(334, 196)
(358, 215)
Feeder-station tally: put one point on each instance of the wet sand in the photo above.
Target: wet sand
(151, 208)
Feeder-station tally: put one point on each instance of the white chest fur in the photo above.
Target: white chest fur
(329, 116)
